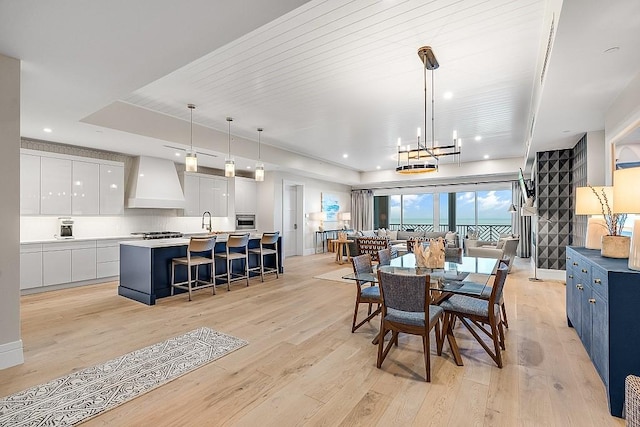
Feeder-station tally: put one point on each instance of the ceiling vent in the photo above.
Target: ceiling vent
(548, 51)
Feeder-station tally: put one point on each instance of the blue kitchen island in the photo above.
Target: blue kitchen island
(145, 265)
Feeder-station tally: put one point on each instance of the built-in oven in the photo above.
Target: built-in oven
(245, 222)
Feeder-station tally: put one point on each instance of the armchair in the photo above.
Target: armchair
(506, 248)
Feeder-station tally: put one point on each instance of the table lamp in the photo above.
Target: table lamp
(346, 217)
(626, 200)
(587, 203)
(319, 216)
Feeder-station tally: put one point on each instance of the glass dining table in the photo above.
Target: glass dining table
(459, 275)
(462, 275)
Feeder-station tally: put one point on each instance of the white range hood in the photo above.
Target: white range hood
(154, 183)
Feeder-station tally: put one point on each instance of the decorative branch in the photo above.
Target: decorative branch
(615, 222)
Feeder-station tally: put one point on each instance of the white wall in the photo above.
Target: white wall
(10, 342)
(270, 202)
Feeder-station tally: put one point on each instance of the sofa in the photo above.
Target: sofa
(399, 239)
(505, 247)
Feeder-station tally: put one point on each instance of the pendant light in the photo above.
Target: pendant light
(191, 160)
(259, 164)
(229, 164)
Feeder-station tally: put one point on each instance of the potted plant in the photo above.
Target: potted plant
(614, 244)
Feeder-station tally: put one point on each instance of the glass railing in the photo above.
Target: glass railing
(489, 232)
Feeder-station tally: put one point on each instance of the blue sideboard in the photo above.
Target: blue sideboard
(603, 301)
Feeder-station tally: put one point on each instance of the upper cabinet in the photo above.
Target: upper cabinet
(246, 195)
(205, 193)
(85, 198)
(111, 189)
(57, 184)
(29, 184)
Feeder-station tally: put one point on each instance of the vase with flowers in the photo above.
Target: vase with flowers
(614, 244)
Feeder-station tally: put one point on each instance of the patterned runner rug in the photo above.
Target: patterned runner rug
(84, 394)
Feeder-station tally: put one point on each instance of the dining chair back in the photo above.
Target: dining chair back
(406, 308)
(384, 256)
(365, 294)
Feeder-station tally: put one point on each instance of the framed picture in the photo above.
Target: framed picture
(330, 206)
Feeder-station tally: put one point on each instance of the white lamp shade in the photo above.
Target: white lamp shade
(344, 216)
(626, 191)
(318, 216)
(587, 202)
(191, 162)
(259, 173)
(229, 168)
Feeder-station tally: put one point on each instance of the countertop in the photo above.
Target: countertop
(166, 243)
(79, 239)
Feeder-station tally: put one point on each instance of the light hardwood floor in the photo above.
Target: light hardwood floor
(303, 366)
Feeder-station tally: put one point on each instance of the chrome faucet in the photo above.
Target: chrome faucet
(208, 227)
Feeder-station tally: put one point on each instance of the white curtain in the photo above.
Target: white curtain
(520, 224)
(362, 209)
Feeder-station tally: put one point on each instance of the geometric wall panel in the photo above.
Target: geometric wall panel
(579, 180)
(555, 205)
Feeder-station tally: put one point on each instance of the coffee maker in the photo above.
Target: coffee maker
(66, 228)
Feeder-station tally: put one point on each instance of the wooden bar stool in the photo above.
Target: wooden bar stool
(268, 246)
(237, 249)
(196, 245)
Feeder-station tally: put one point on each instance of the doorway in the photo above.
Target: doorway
(292, 203)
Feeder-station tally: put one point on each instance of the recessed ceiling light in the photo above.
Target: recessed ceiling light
(486, 156)
(248, 167)
(177, 154)
(47, 130)
(612, 49)
(447, 95)
(478, 138)
(345, 155)
(378, 167)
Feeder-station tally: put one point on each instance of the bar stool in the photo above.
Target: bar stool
(237, 248)
(268, 246)
(197, 245)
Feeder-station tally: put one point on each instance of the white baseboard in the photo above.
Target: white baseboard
(11, 354)
(308, 251)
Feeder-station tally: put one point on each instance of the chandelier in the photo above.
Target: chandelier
(422, 158)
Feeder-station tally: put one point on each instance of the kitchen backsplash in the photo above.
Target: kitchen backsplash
(46, 227)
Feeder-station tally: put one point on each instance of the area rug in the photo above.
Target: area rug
(336, 275)
(84, 394)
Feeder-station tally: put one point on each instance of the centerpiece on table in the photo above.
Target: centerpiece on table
(614, 244)
(431, 256)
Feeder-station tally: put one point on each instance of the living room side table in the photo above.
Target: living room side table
(342, 249)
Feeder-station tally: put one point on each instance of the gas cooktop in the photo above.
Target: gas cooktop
(158, 234)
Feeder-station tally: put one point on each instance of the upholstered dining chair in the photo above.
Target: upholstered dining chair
(487, 291)
(475, 312)
(406, 308)
(365, 294)
(384, 256)
(196, 245)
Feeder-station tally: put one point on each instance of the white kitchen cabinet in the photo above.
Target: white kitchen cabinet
(30, 265)
(191, 189)
(111, 189)
(55, 186)
(205, 193)
(85, 196)
(107, 258)
(83, 262)
(245, 195)
(56, 264)
(29, 184)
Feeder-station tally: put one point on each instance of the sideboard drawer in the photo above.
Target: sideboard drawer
(600, 281)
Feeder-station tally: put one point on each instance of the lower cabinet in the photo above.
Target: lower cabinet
(63, 262)
(603, 297)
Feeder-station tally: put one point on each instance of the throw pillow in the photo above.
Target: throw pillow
(392, 234)
(452, 238)
(369, 233)
(382, 232)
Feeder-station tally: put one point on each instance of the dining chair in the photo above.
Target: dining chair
(237, 248)
(365, 294)
(268, 247)
(196, 245)
(407, 308)
(384, 256)
(487, 290)
(475, 312)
